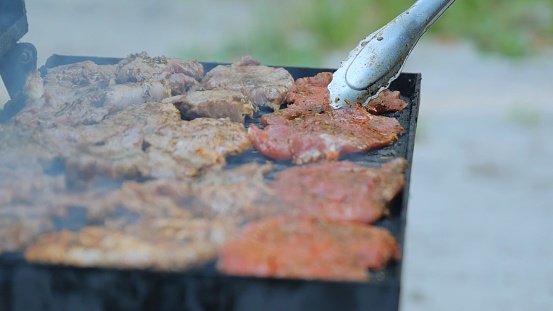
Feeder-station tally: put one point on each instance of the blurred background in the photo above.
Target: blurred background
(479, 233)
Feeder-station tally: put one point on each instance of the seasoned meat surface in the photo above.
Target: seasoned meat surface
(146, 140)
(180, 75)
(161, 224)
(341, 191)
(73, 94)
(102, 247)
(240, 193)
(387, 101)
(308, 249)
(215, 104)
(264, 86)
(309, 130)
(85, 93)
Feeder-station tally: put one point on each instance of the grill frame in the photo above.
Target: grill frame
(25, 286)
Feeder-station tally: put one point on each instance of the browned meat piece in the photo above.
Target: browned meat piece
(308, 249)
(341, 190)
(240, 194)
(73, 94)
(85, 93)
(310, 130)
(101, 247)
(147, 140)
(386, 101)
(180, 75)
(213, 104)
(32, 203)
(161, 224)
(264, 86)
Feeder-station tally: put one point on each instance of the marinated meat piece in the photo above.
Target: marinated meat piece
(195, 146)
(312, 137)
(341, 191)
(73, 94)
(264, 86)
(310, 130)
(213, 104)
(147, 140)
(240, 194)
(161, 224)
(32, 203)
(318, 98)
(308, 249)
(386, 101)
(307, 95)
(101, 247)
(85, 93)
(180, 75)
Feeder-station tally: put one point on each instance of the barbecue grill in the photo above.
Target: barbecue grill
(26, 286)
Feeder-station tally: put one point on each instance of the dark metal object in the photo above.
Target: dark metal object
(17, 60)
(28, 287)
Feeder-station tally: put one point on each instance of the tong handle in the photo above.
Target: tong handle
(392, 44)
(379, 58)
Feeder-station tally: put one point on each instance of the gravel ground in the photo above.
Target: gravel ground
(478, 236)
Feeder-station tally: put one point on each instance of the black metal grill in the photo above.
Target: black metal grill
(25, 286)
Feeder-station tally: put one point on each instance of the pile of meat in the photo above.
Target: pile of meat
(125, 166)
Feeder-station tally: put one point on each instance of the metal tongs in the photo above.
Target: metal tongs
(379, 58)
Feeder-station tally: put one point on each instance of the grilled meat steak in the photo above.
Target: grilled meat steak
(180, 75)
(85, 93)
(310, 130)
(216, 104)
(161, 224)
(73, 94)
(264, 86)
(146, 140)
(341, 190)
(308, 249)
(387, 101)
(239, 193)
(102, 247)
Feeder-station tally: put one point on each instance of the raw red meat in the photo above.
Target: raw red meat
(310, 130)
(308, 249)
(340, 190)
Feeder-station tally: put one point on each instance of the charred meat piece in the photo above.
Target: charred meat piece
(310, 130)
(180, 75)
(264, 86)
(341, 191)
(215, 104)
(386, 101)
(308, 249)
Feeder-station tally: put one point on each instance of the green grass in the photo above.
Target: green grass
(290, 32)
